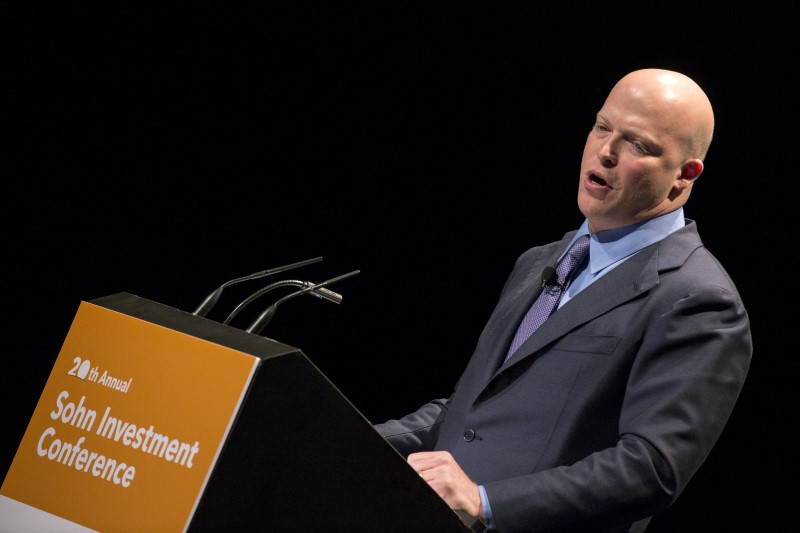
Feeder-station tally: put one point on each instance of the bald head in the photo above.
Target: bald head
(683, 107)
(645, 150)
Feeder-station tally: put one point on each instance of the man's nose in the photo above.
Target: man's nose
(607, 154)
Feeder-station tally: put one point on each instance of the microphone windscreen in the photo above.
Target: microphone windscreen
(549, 276)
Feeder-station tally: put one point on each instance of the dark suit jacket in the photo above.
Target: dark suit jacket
(602, 417)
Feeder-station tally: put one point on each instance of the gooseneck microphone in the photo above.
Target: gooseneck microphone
(319, 292)
(211, 299)
(264, 318)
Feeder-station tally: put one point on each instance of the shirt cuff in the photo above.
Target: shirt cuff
(487, 509)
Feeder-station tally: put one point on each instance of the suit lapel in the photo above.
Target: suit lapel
(633, 277)
(636, 275)
(513, 307)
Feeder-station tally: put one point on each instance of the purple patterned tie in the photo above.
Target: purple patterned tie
(549, 297)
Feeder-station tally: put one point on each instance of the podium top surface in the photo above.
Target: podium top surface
(202, 328)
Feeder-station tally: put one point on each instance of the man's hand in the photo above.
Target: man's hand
(443, 474)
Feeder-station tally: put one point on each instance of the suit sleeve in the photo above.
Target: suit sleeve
(417, 431)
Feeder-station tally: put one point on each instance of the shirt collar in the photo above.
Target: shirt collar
(611, 246)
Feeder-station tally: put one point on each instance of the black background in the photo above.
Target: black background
(162, 152)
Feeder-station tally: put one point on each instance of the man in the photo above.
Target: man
(600, 417)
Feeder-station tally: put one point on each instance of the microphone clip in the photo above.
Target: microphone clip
(550, 281)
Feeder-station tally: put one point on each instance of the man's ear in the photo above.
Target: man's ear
(690, 171)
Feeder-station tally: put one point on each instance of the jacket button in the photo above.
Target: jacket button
(469, 435)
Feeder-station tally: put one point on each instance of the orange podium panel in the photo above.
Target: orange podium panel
(129, 424)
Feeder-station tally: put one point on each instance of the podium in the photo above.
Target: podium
(156, 419)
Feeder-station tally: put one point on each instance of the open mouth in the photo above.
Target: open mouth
(594, 178)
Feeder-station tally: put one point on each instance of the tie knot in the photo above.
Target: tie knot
(580, 248)
(575, 256)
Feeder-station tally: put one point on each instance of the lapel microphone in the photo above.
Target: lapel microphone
(550, 280)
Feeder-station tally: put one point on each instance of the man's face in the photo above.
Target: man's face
(631, 166)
